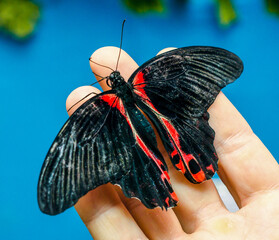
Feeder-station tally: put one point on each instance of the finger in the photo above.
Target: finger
(196, 201)
(101, 209)
(246, 166)
(156, 224)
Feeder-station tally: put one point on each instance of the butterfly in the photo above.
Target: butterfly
(108, 139)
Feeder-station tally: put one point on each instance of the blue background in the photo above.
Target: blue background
(37, 76)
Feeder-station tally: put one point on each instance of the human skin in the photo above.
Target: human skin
(246, 167)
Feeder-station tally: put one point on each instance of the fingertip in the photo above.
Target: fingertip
(79, 96)
(166, 50)
(104, 56)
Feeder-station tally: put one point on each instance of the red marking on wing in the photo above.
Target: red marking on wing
(167, 201)
(210, 167)
(111, 100)
(145, 149)
(186, 158)
(143, 95)
(181, 166)
(165, 175)
(161, 165)
(200, 176)
(174, 196)
(139, 79)
(172, 131)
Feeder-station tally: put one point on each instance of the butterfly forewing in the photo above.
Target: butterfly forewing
(187, 79)
(95, 146)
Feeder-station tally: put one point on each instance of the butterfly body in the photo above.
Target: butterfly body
(108, 139)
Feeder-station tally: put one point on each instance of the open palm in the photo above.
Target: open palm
(246, 167)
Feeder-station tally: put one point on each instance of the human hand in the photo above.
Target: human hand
(245, 166)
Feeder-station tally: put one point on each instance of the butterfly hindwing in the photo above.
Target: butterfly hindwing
(189, 143)
(175, 89)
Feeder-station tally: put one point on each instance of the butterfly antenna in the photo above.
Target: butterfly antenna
(98, 81)
(99, 65)
(120, 44)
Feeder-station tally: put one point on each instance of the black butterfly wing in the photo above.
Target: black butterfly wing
(97, 145)
(175, 89)
(92, 148)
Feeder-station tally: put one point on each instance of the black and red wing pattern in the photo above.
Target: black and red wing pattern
(175, 89)
(148, 179)
(97, 145)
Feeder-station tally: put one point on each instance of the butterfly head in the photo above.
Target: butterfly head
(115, 79)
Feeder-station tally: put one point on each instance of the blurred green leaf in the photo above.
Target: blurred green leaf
(272, 6)
(18, 17)
(226, 12)
(143, 6)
